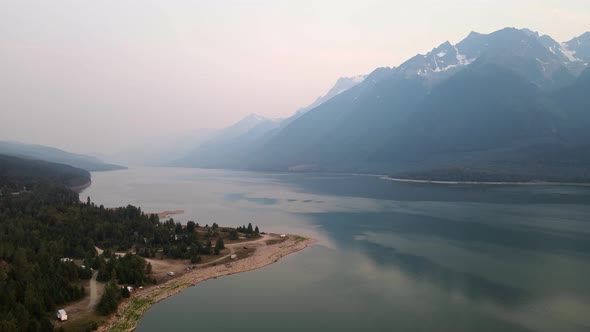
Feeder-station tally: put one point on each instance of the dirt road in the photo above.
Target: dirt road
(93, 298)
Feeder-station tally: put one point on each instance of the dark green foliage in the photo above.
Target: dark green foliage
(84, 273)
(125, 292)
(39, 152)
(233, 234)
(219, 244)
(43, 225)
(190, 227)
(90, 326)
(17, 173)
(46, 223)
(195, 258)
(208, 247)
(249, 231)
(110, 298)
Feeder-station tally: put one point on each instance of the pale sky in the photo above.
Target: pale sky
(95, 76)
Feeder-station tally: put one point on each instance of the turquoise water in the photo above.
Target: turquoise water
(390, 256)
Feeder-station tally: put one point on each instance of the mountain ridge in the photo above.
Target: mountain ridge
(55, 155)
(491, 100)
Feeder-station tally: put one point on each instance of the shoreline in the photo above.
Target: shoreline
(130, 311)
(166, 214)
(386, 177)
(81, 187)
(494, 183)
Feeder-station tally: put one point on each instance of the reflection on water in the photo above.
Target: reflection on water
(390, 257)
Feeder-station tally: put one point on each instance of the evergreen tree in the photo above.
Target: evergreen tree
(219, 244)
(190, 227)
(110, 299)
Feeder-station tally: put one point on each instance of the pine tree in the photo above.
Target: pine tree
(219, 244)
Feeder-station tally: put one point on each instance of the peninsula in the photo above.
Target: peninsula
(263, 251)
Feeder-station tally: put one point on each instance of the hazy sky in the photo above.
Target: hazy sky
(92, 76)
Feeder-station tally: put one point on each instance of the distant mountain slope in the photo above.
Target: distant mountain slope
(161, 149)
(341, 85)
(512, 102)
(33, 151)
(229, 143)
(233, 145)
(18, 173)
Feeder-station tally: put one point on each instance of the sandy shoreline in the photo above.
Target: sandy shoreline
(498, 183)
(166, 214)
(131, 310)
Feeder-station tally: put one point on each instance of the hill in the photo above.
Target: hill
(237, 142)
(17, 174)
(41, 152)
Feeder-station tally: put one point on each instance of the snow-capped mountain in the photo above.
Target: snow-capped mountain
(539, 58)
(444, 58)
(507, 97)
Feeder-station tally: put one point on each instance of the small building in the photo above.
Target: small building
(283, 236)
(62, 316)
(233, 256)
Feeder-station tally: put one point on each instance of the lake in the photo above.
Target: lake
(390, 256)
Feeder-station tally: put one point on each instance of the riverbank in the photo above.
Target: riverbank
(266, 252)
(498, 183)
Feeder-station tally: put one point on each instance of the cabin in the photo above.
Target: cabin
(62, 316)
(233, 256)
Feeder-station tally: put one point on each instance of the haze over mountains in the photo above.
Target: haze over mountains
(511, 101)
(239, 140)
(53, 155)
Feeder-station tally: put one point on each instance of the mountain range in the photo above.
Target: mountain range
(511, 102)
(54, 155)
(239, 140)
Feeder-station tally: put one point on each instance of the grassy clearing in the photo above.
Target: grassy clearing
(298, 238)
(131, 315)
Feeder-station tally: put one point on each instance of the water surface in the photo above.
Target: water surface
(390, 257)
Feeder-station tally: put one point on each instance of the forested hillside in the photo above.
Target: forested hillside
(41, 152)
(47, 222)
(17, 173)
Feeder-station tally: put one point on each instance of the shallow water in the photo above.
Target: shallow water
(390, 257)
